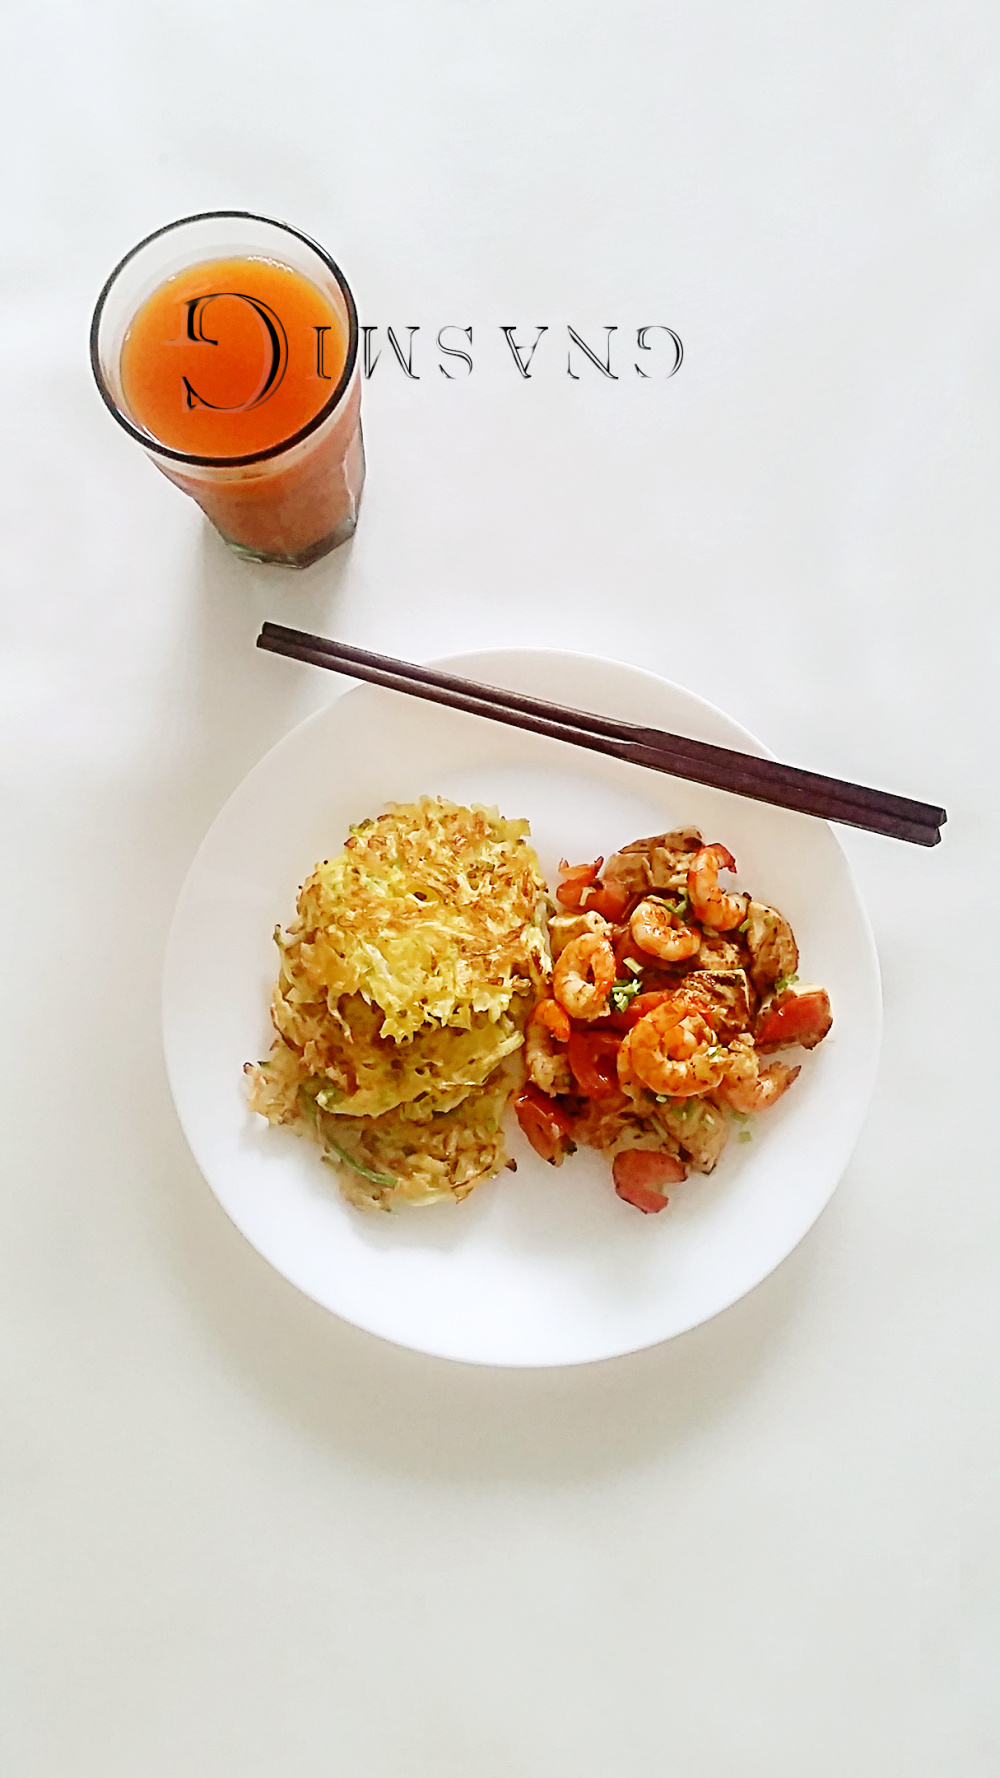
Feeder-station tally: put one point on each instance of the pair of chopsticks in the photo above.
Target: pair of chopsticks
(765, 780)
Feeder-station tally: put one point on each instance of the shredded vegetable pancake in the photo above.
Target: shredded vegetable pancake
(405, 985)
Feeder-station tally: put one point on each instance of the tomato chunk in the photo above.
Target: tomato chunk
(627, 951)
(545, 1123)
(798, 1015)
(640, 1175)
(577, 878)
(607, 899)
(592, 1057)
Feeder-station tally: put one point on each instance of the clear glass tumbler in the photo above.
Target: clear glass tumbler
(297, 498)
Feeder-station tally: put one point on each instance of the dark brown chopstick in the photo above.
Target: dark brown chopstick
(744, 774)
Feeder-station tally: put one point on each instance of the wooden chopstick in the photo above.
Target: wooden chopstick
(724, 768)
(724, 758)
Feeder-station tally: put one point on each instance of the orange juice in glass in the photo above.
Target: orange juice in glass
(226, 344)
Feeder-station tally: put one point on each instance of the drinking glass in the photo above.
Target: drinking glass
(297, 499)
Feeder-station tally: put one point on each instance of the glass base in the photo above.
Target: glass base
(305, 558)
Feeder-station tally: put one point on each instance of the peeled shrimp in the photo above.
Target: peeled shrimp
(653, 930)
(563, 928)
(672, 1050)
(757, 1093)
(548, 1066)
(708, 902)
(747, 1086)
(584, 974)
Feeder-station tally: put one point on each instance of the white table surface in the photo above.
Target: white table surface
(242, 1538)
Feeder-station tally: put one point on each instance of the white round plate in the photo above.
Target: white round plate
(546, 1266)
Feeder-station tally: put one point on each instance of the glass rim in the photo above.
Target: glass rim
(286, 444)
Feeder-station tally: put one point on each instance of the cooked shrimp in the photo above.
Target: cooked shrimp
(673, 1050)
(760, 1091)
(656, 929)
(630, 1085)
(747, 1086)
(548, 1066)
(584, 975)
(708, 902)
(563, 928)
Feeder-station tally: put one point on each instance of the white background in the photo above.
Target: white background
(241, 1538)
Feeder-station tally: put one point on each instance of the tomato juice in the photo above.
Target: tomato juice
(238, 372)
(231, 357)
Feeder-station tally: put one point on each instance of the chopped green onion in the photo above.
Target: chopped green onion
(366, 1172)
(621, 994)
(744, 1136)
(636, 968)
(783, 982)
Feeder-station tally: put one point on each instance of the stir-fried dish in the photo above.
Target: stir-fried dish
(406, 982)
(423, 983)
(669, 992)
